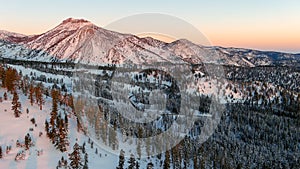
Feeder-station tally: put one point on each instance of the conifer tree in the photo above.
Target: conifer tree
(83, 148)
(39, 95)
(85, 166)
(137, 165)
(121, 160)
(1, 153)
(31, 94)
(62, 140)
(11, 78)
(47, 128)
(167, 160)
(71, 102)
(131, 162)
(16, 105)
(5, 96)
(75, 158)
(27, 141)
(53, 118)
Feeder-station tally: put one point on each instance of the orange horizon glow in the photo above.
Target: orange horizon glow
(269, 40)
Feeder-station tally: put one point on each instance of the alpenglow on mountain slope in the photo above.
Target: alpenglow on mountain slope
(80, 41)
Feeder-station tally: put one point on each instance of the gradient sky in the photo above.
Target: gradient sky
(259, 24)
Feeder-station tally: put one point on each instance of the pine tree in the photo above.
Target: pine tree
(66, 121)
(5, 96)
(39, 95)
(131, 162)
(71, 102)
(59, 164)
(150, 165)
(195, 161)
(79, 127)
(167, 160)
(31, 94)
(85, 166)
(11, 78)
(62, 140)
(83, 148)
(75, 157)
(1, 154)
(53, 118)
(47, 128)
(27, 141)
(121, 159)
(137, 165)
(16, 105)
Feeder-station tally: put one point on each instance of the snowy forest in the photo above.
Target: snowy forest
(259, 127)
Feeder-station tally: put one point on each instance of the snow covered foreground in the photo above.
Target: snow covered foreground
(13, 129)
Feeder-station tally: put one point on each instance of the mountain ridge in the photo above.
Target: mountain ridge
(80, 41)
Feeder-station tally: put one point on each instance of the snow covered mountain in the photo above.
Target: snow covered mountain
(80, 41)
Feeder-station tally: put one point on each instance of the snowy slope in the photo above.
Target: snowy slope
(10, 36)
(12, 129)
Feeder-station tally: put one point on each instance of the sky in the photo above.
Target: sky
(257, 24)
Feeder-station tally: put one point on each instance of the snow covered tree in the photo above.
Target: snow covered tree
(16, 105)
(121, 160)
(131, 162)
(62, 163)
(20, 155)
(150, 165)
(75, 157)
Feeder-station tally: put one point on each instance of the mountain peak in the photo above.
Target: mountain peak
(73, 20)
(71, 24)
